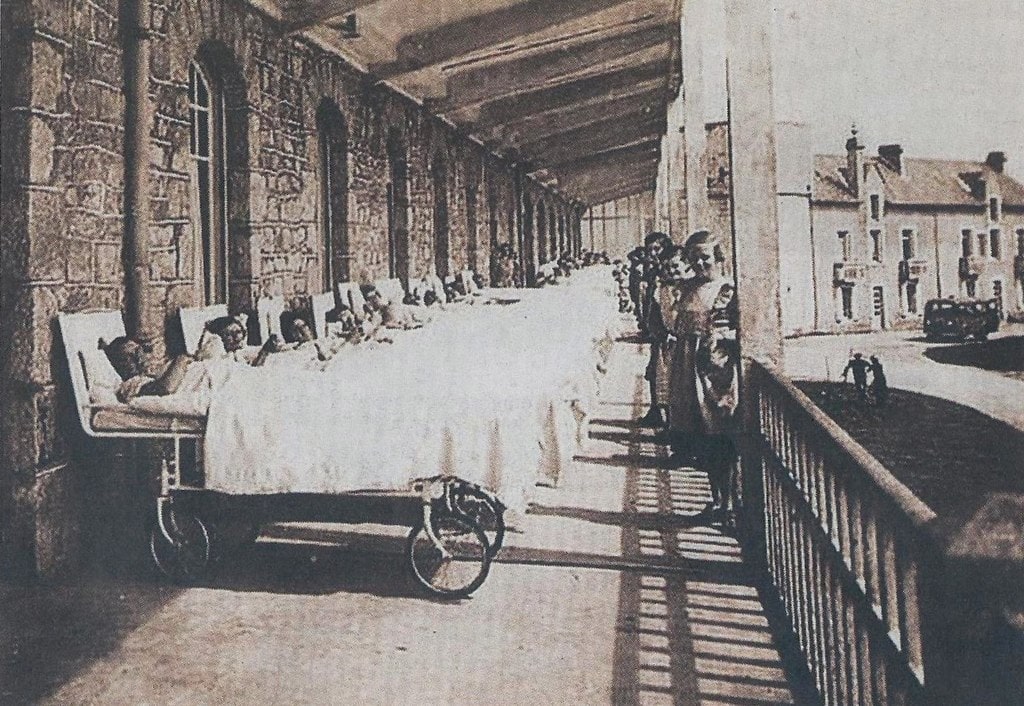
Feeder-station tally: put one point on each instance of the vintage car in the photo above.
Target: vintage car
(961, 319)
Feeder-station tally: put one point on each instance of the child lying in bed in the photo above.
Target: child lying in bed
(384, 312)
(223, 338)
(126, 356)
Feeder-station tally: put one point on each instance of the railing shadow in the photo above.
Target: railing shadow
(692, 628)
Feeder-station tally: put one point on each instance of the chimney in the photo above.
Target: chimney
(854, 162)
(996, 161)
(893, 156)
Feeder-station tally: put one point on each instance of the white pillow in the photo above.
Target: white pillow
(103, 396)
(99, 372)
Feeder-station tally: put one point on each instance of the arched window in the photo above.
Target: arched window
(334, 198)
(493, 224)
(529, 257)
(398, 209)
(562, 240)
(542, 233)
(552, 235)
(439, 171)
(209, 177)
(472, 180)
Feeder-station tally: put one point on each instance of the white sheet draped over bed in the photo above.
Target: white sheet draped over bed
(492, 394)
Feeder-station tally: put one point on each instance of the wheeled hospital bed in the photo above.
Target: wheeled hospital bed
(456, 527)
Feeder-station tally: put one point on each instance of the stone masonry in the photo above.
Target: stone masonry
(63, 220)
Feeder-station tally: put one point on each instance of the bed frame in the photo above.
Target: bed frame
(457, 527)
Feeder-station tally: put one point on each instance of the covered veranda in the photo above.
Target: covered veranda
(833, 588)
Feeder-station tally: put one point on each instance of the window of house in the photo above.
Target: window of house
(995, 243)
(845, 245)
(997, 294)
(876, 245)
(982, 243)
(876, 207)
(847, 302)
(1020, 242)
(972, 288)
(966, 242)
(910, 293)
(994, 209)
(206, 113)
(907, 243)
(334, 201)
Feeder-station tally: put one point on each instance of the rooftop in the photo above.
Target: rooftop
(939, 182)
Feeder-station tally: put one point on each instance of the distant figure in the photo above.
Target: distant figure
(879, 387)
(859, 367)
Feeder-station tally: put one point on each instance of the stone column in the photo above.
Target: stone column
(754, 183)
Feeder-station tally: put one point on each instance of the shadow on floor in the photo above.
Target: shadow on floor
(1002, 355)
(697, 632)
(49, 633)
(930, 444)
(619, 460)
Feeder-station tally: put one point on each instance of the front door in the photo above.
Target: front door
(877, 309)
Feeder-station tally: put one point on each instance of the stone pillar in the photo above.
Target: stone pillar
(754, 187)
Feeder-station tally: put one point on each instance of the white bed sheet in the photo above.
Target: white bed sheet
(493, 394)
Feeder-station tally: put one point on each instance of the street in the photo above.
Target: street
(907, 367)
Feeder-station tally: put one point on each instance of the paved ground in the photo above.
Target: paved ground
(912, 363)
(613, 593)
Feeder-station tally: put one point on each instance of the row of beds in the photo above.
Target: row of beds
(457, 527)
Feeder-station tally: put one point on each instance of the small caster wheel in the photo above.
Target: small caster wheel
(457, 563)
(485, 510)
(183, 555)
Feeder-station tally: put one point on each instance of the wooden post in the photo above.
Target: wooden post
(753, 174)
(752, 169)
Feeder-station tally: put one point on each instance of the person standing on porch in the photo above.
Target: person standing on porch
(662, 327)
(704, 378)
(655, 245)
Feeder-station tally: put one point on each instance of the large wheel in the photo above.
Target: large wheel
(483, 509)
(455, 566)
(186, 558)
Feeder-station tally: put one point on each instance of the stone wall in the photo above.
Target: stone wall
(62, 224)
(63, 117)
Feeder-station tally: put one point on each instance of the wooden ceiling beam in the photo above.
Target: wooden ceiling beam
(301, 15)
(599, 136)
(523, 105)
(619, 190)
(647, 147)
(641, 103)
(656, 56)
(505, 24)
(541, 69)
(598, 178)
(623, 157)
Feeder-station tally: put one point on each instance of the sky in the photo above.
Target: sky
(944, 78)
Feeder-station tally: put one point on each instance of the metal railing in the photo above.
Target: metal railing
(848, 550)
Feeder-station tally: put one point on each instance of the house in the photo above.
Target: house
(885, 233)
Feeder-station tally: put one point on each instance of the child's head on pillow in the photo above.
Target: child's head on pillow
(125, 355)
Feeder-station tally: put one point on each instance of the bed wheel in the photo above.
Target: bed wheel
(459, 565)
(186, 557)
(484, 510)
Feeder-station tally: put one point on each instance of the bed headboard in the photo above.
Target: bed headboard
(321, 304)
(391, 289)
(193, 322)
(351, 295)
(81, 332)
